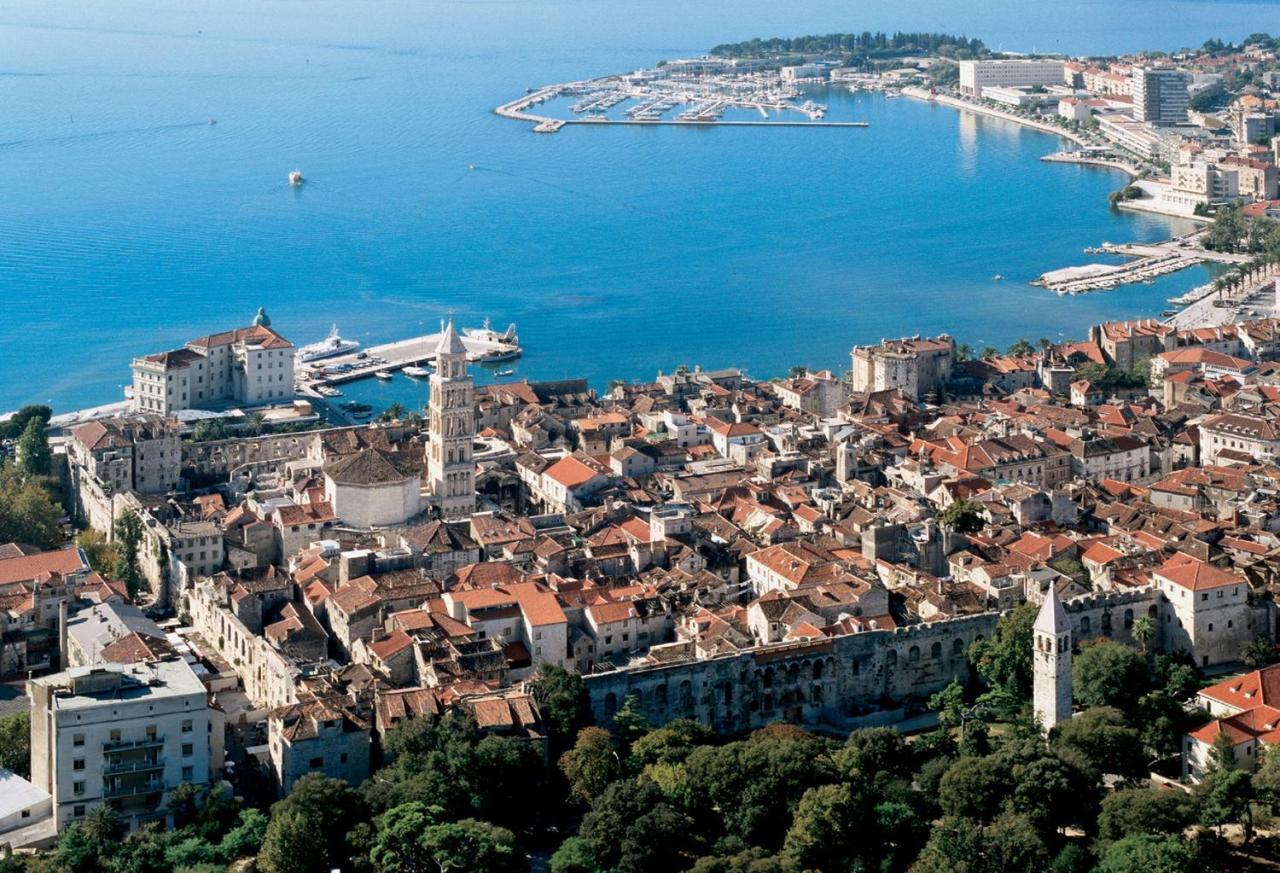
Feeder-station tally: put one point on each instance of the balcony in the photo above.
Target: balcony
(116, 768)
(109, 791)
(122, 745)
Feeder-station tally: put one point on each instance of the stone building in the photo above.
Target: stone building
(914, 366)
(452, 421)
(1051, 643)
(373, 488)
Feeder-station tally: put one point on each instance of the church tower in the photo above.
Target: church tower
(1051, 662)
(452, 422)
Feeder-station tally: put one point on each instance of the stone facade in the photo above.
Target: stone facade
(450, 469)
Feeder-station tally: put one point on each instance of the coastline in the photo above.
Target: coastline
(964, 105)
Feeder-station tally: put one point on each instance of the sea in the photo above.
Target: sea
(145, 147)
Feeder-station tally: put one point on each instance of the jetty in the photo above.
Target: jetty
(1149, 262)
(313, 378)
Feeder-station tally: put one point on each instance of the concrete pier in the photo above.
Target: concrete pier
(397, 355)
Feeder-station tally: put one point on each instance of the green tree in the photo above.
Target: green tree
(18, 422)
(1258, 652)
(82, 845)
(1128, 812)
(1108, 674)
(1101, 735)
(949, 705)
(209, 430)
(565, 705)
(27, 513)
(1004, 661)
(15, 743)
(669, 744)
(100, 553)
(963, 516)
(34, 457)
(1009, 845)
(1146, 853)
(975, 788)
(1022, 347)
(869, 752)
(825, 829)
(128, 537)
(629, 723)
(1144, 632)
(631, 828)
(574, 856)
(309, 828)
(591, 764)
(1226, 797)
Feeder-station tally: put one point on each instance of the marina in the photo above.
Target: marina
(1150, 261)
(414, 357)
(664, 96)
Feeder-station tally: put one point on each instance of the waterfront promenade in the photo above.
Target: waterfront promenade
(979, 109)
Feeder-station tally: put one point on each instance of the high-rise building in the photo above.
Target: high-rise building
(1051, 668)
(452, 430)
(1160, 96)
(119, 734)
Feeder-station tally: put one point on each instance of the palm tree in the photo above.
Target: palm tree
(964, 351)
(1021, 347)
(989, 352)
(1144, 632)
(394, 412)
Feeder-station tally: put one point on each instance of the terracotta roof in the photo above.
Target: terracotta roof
(1195, 575)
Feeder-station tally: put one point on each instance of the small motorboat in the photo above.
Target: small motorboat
(416, 372)
(295, 178)
(384, 375)
(506, 372)
(997, 278)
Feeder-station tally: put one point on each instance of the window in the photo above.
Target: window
(77, 740)
(1204, 596)
(186, 726)
(188, 773)
(343, 757)
(188, 750)
(77, 764)
(78, 810)
(77, 787)
(151, 732)
(115, 735)
(317, 763)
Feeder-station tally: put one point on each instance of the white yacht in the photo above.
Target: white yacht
(416, 372)
(488, 334)
(331, 345)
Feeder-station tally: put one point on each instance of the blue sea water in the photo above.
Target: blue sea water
(129, 223)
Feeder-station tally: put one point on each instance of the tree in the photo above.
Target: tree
(394, 412)
(629, 723)
(1004, 660)
(18, 422)
(957, 845)
(963, 516)
(1108, 674)
(309, 828)
(964, 352)
(464, 845)
(988, 352)
(82, 845)
(1226, 797)
(1145, 853)
(15, 743)
(869, 752)
(825, 830)
(1022, 347)
(27, 513)
(949, 705)
(975, 788)
(631, 828)
(128, 536)
(669, 744)
(1101, 735)
(591, 764)
(209, 429)
(34, 457)
(1258, 652)
(1144, 632)
(1128, 812)
(100, 553)
(566, 707)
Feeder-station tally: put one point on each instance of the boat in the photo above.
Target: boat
(489, 335)
(295, 178)
(493, 356)
(997, 278)
(416, 372)
(357, 408)
(331, 345)
(384, 375)
(507, 372)
(328, 391)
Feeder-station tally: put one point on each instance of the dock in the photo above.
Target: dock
(1150, 261)
(395, 356)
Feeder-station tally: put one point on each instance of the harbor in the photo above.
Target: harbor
(674, 96)
(1150, 261)
(415, 357)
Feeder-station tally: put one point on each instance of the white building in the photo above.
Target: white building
(1206, 611)
(1051, 639)
(1160, 96)
(977, 75)
(119, 734)
(451, 471)
(248, 366)
(1241, 435)
(26, 813)
(373, 488)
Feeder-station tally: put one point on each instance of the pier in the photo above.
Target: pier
(1151, 260)
(395, 356)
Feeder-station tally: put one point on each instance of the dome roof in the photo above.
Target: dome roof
(262, 319)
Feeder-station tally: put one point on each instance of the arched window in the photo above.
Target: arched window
(913, 654)
(1106, 622)
(817, 669)
(855, 667)
(768, 678)
(936, 651)
(1128, 618)
(957, 648)
(686, 694)
(1151, 611)
(660, 696)
(1085, 626)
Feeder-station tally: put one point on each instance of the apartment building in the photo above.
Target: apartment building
(976, 75)
(119, 734)
(1160, 96)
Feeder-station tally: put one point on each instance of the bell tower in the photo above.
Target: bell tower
(1051, 662)
(452, 423)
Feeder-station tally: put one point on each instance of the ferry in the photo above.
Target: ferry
(489, 335)
(416, 372)
(331, 345)
(384, 375)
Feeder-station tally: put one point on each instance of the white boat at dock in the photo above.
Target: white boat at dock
(385, 375)
(487, 334)
(328, 347)
(416, 372)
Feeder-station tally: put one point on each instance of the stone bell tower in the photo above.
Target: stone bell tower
(452, 423)
(1051, 662)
